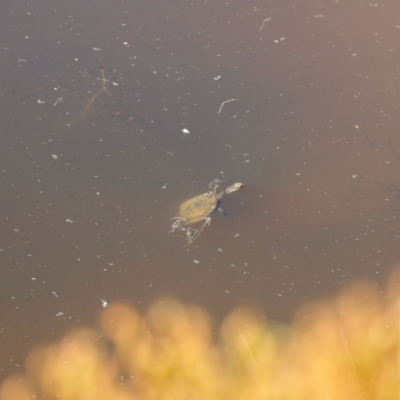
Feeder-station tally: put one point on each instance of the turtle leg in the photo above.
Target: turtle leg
(221, 210)
(214, 184)
(179, 223)
(193, 234)
(190, 235)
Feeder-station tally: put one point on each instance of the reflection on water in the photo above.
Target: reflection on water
(343, 348)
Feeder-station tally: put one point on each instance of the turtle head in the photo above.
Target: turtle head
(233, 188)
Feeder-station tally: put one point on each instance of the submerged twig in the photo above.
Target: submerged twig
(394, 151)
(362, 133)
(391, 189)
(97, 94)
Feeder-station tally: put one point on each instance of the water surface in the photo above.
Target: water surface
(90, 178)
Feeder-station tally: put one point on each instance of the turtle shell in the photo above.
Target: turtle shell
(197, 208)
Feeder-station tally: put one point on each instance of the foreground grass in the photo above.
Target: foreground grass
(344, 348)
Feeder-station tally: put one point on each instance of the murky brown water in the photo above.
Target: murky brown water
(87, 199)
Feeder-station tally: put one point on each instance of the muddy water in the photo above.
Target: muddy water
(87, 192)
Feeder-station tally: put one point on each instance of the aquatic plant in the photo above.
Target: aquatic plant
(347, 347)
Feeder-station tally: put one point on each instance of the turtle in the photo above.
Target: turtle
(199, 208)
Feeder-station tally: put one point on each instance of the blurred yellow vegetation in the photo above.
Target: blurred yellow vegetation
(343, 348)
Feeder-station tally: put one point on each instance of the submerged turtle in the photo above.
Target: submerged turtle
(198, 208)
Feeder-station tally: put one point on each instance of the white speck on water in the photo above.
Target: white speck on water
(70, 221)
(354, 176)
(59, 314)
(96, 49)
(55, 156)
(196, 261)
(186, 131)
(125, 44)
(165, 186)
(40, 101)
(55, 294)
(59, 100)
(220, 250)
(263, 23)
(237, 234)
(104, 303)
(217, 78)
